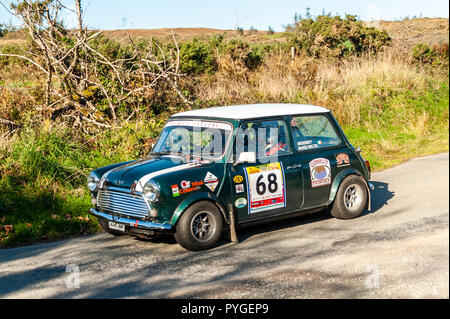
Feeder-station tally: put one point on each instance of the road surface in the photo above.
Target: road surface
(399, 250)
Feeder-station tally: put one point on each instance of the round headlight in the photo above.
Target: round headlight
(92, 181)
(151, 191)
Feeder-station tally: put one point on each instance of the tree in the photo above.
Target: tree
(77, 71)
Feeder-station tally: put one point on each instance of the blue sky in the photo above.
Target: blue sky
(227, 14)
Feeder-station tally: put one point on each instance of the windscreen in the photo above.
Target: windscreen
(205, 139)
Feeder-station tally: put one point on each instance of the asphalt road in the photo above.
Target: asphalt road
(399, 250)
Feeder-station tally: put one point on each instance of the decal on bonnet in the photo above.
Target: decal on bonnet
(320, 172)
(342, 159)
(211, 181)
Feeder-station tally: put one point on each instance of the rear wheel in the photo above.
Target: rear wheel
(199, 227)
(351, 198)
(104, 225)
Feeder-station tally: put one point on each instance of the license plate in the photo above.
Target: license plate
(116, 226)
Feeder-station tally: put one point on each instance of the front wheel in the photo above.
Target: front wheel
(351, 198)
(199, 227)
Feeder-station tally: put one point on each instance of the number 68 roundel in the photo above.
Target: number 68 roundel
(266, 188)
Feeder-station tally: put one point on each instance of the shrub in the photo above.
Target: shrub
(425, 54)
(334, 36)
(5, 29)
(196, 57)
(251, 56)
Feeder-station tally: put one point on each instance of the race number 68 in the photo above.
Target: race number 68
(272, 184)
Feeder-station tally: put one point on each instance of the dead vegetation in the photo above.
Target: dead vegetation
(76, 71)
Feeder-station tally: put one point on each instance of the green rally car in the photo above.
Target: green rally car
(213, 170)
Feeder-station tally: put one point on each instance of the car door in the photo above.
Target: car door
(322, 154)
(271, 185)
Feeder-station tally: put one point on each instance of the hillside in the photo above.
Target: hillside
(432, 31)
(407, 32)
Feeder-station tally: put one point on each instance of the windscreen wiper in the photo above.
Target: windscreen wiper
(165, 153)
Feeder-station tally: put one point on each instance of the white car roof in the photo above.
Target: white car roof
(250, 111)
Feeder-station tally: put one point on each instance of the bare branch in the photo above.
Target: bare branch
(25, 58)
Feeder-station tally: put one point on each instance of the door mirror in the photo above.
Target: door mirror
(246, 157)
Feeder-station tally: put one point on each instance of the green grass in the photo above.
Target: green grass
(43, 176)
(420, 128)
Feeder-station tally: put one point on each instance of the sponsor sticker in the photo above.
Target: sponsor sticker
(211, 181)
(240, 202)
(266, 187)
(185, 184)
(306, 145)
(300, 143)
(293, 122)
(175, 191)
(239, 188)
(320, 172)
(186, 187)
(342, 159)
(195, 186)
(203, 124)
(238, 179)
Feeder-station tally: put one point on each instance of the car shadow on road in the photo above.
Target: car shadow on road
(379, 197)
(247, 232)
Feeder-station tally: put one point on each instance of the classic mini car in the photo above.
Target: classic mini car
(214, 170)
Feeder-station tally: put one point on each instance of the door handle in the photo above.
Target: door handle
(294, 166)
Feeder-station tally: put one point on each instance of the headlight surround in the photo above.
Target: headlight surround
(92, 181)
(151, 191)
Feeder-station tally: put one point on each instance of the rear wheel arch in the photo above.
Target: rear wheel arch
(340, 178)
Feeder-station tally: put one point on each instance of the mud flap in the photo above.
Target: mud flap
(369, 187)
(233, 235)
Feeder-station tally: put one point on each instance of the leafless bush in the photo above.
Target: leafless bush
(76, 71)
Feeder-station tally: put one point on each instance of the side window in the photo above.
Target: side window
(266, 138)
(313, 132)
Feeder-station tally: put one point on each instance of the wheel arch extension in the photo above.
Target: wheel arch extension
(338, 180)
(194, 198)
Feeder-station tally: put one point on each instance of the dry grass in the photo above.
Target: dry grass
(341, 87)
(406, 33)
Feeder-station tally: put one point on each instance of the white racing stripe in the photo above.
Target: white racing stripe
(144, 179)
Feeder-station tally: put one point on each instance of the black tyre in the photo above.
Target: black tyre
(200, 226)
(351, 198)
(104, 225)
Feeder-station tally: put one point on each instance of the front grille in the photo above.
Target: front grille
(122, 203)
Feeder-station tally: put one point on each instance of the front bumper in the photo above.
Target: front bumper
(132, 223)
